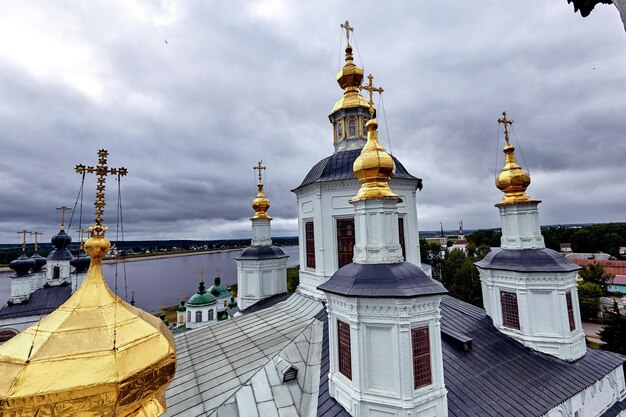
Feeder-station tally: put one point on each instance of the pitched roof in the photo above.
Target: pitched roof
(43, 301)
(610, 267)
(338, 167)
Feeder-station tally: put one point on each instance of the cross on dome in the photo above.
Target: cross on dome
(505, 122)
(23, 233)
(346, 26)
(63, 210)
(371, 90)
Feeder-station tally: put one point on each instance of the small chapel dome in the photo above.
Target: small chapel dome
(61, 240)
(219, 290)
(201, 298)
(81, 262)
(22, 265)
(40, 261)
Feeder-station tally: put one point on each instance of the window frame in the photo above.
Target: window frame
(570, 311)
(344, 257)
(309, 244)
(344, 349)
(402, 236)
(510, 310)
(422, 360)
(199, 314)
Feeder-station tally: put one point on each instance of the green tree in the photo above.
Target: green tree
(582, 241)
(589, 299)
(481, 252)
(490, 238)
(461, 277)
(613, 333)
(594, 273)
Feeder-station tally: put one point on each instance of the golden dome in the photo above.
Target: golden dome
(374, 168)
(261, 203)
(95, 355)
(513, 180)
(350, 78)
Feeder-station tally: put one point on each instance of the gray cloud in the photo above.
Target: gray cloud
(237, 82)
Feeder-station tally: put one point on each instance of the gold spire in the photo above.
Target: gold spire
(36, 234)
(374, 168)
(261, 203)
(95, 355)
(513, 180)
(23, 233)
(349, 77)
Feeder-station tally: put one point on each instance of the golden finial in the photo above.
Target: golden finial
(36, 234)
(346, 26)
(83, 233)
(23, 233)
(371, 90)
(261, 203)
(506, 122)
(374, 168)
(101, 170)
(513, 180)
(63, 210)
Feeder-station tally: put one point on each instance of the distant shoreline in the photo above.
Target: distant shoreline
(150, 257)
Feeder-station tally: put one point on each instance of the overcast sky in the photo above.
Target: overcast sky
(190, 95)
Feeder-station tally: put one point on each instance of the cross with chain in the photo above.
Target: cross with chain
(259, 167)
(23, 233)
(101, 170)
(371, 90)
(63, 210)
(346, 26)
(505, 122)
(36, 234)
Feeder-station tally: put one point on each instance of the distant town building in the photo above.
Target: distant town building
(566, 248)
(461, 242)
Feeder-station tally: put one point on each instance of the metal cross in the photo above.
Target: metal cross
(217, 271)
(23, 233)
(346, 26)
(201, 272)
(371, 89)
(505, 122)
(101, 170)
(36, 241)
(63, 210)
(259, 167)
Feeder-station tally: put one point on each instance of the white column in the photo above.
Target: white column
(376, 232)
(521, 228)
(261, 232)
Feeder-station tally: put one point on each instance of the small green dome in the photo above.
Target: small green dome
(219, 290)
(201, 298)
(181, 307)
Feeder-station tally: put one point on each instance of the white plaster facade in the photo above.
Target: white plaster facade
(259, 279)
(64, 272)
(199, 316)
(324, 203)
(542, 308)
(596, 399)
(382, 359)
(521, 228)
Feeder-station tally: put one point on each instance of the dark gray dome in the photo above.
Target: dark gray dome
(338, 167)
(398, 280)
(81, 262)
(22, 265)
(527, 260)
(40, 261)
(61, 240)
(262, 252)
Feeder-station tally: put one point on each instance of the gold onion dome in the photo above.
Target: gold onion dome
(374, 167)
(350, 78)
(512, 180)
(95, 355)
(261, 203)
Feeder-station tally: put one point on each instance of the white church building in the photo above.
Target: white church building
(369, 334)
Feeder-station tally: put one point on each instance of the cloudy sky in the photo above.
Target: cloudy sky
(189, 95)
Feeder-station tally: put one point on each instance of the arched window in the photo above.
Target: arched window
(198, 316)
(210, 315)
(351, 128)
(56, 272)
(364, 122)
(339, 130)
(189, 317)
(225, 303)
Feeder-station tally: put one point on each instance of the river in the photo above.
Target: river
(165, 281)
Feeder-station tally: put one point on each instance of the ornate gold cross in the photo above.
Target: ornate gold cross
(23, 233)
(346, 26)
(63, 210)
(259, 167)
(101, 170)
(371, 90)
(505, 122)
(36, 234)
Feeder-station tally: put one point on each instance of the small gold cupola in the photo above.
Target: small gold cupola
(513, 180)
(261, 203)
(374, 167)
(349, 78)
(95, 355)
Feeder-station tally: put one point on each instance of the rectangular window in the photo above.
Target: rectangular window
(56, 272)
(198, 316)
(510, 314)
(345, 241)
(345, 355)
(570, 311)
(309, 239)
(401, 235)
(422, 375)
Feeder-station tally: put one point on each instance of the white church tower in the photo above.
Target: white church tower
(261, 268)
(383, 313)
(325, 218)
(529, 291)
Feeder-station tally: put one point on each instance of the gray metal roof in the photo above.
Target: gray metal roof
(616, 409)
(262, 252)
(232, 368)
(527, 260)
(338, 167)
(43, 301)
